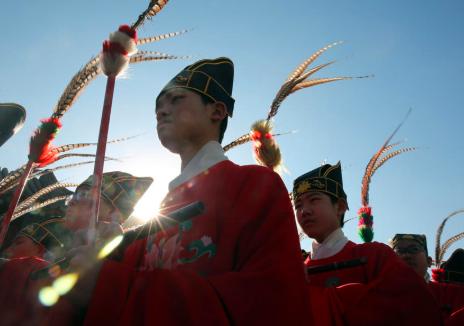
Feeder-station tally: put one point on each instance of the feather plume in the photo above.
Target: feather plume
(438, 254)
(302, 67)
(62, 167)
(38, 172)
(143, 58)
(37, 206)
(83, 155)
(77, 84)
(30, 200)
(152, 39)
(154, 8)
(69, 147)
(92, 69)
(320, 81)
(40, 144)
(239, 141)
(448, 243)
(368, 173)
(391, 155)
(11, 177)
(365, 224)
(297, 80)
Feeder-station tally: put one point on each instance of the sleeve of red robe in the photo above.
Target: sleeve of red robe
(266, 285)
(456, 318)
(18, 295)
(384, 291)
(449, 296)
(395, 296)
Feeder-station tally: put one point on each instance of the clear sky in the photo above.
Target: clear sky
(414, 49)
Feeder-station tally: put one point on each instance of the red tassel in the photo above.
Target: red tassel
(40, 147)
(126, 29)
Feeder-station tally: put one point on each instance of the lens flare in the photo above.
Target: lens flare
(48, 296)
(109, 247)
(65, 283)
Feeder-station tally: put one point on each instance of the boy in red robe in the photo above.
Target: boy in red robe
(239, 262)
(412, 249)
(32, 249)
(381, 280)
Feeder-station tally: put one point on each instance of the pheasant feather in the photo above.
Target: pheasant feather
(449, 242)
(239, 141)
(30, 200)
(154, 8)
(365, 217)
(37, 206)
(438, 249)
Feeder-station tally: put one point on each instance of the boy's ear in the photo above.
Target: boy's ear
(342, 206)
(219, 111)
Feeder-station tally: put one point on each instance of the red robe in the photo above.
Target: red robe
(385, 291)
(19, 303)
(237, 263)
(456, 318)
(450, 297)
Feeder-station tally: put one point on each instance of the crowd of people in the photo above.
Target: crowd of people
(236, 262)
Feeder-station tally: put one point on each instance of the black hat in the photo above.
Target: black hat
(122, 190)
(326, 179)
(421, 239)
(12, 117)
(213, 78)
(50, 233)
(454, 267)
(33, 185)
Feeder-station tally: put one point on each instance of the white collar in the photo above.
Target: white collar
(331, 245)
(210, 154)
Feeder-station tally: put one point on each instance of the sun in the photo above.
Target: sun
(162, 171)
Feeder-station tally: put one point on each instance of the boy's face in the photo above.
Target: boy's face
(414, 255)
(317, 216)
(182, 118)
(79, 208)
(23, 247)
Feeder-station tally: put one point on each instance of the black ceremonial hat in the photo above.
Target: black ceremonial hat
(12, 117)
(213, 78)
(326, 179)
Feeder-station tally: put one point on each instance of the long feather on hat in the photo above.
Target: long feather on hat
(267, 152)
(366, 219)
(440, 250)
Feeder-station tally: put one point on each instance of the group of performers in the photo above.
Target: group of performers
(236, 261)
(225, 249)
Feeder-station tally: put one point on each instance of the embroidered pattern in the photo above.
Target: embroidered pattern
(204, 246)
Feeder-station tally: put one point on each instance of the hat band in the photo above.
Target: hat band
(319, 184)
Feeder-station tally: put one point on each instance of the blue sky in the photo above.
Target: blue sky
(414, 49)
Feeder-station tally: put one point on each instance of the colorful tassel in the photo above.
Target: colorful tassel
(117, 50)
(365, 224)
(266, 150)
(40, 146)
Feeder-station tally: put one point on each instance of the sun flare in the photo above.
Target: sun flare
(162, 172)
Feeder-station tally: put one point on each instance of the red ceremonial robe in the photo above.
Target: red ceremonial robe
(385, 291)
(456, 318)
(450, 297)
(18, 294)
(237, 263)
